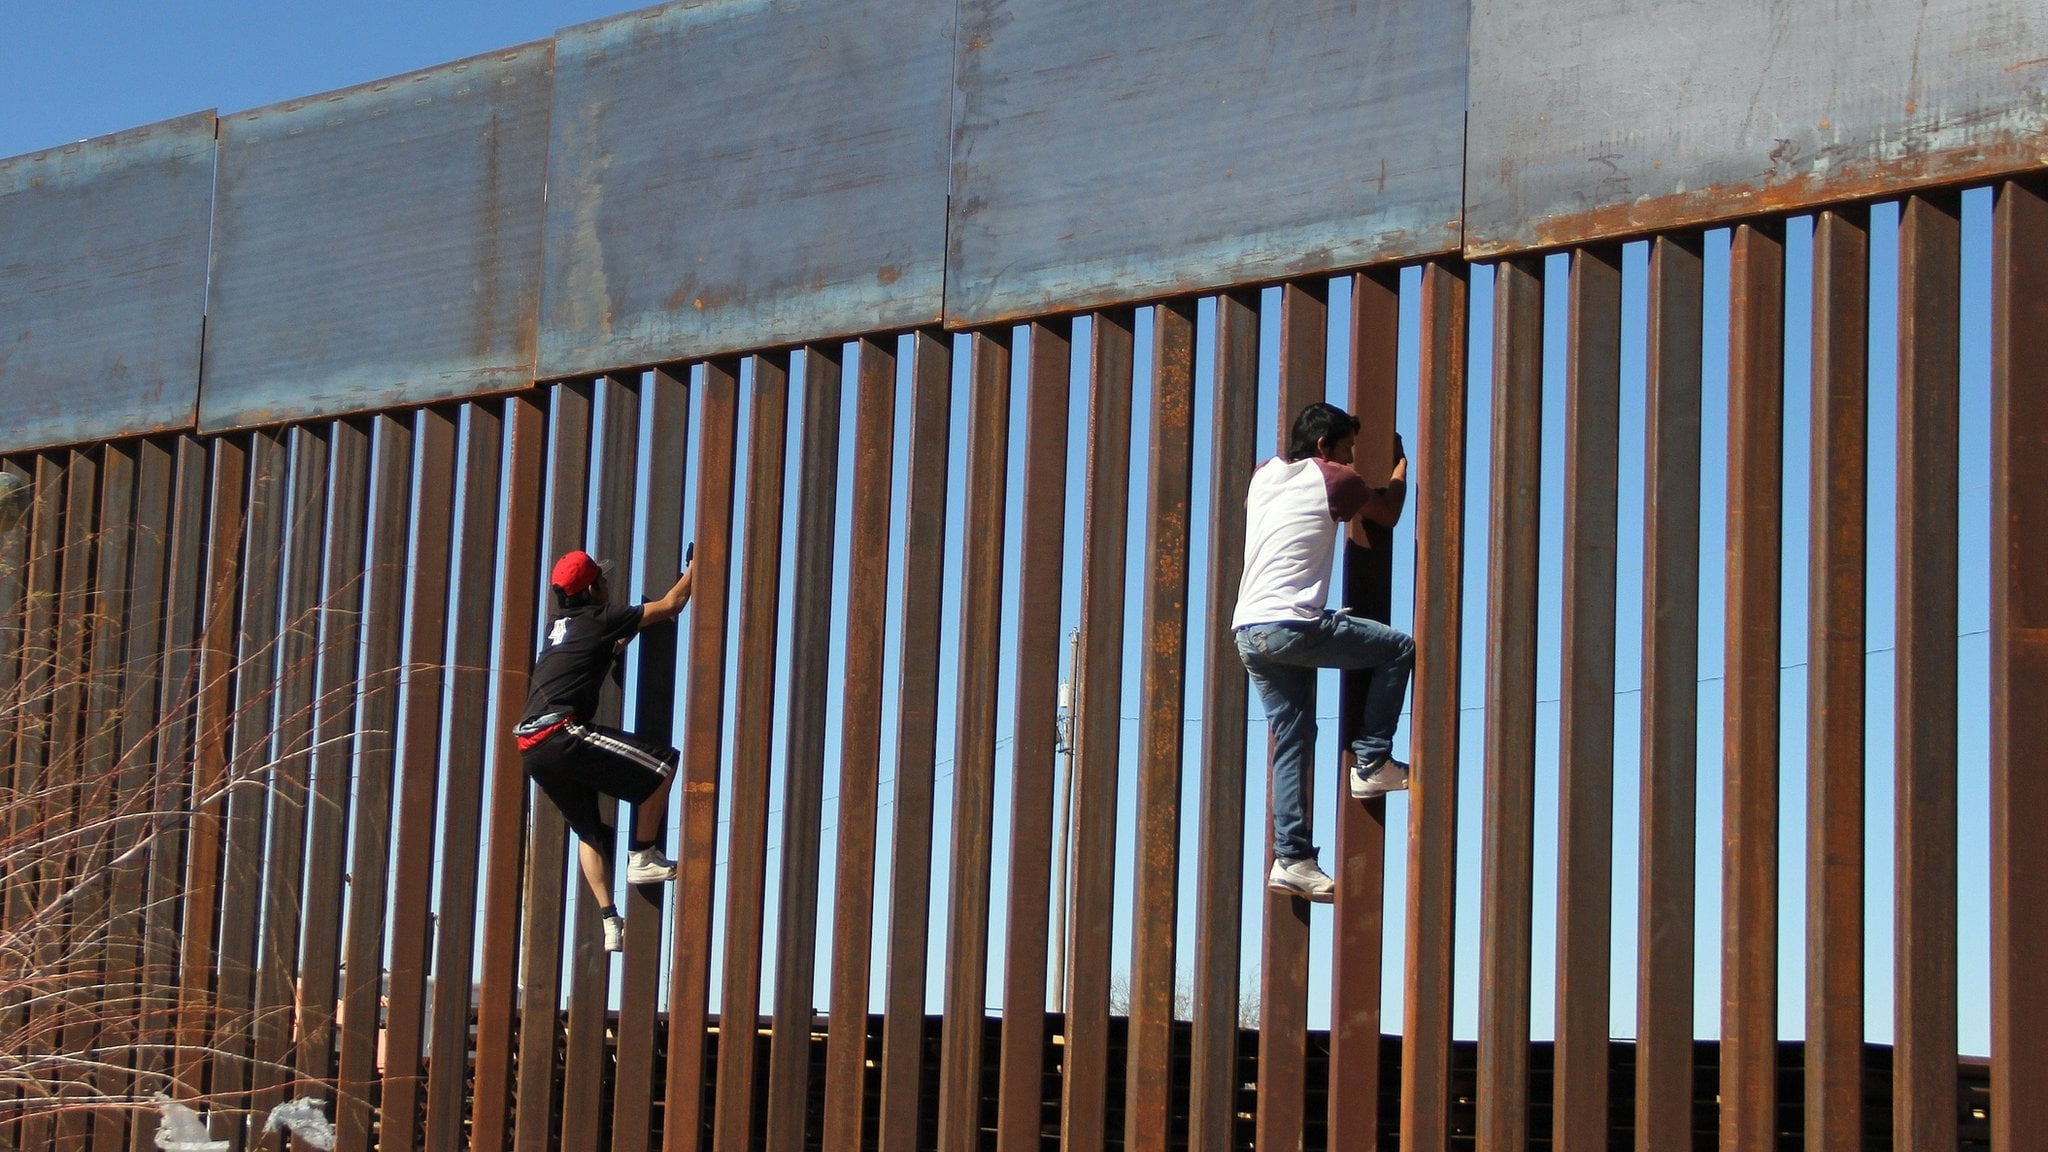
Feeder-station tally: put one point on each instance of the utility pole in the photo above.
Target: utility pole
(1067, 728)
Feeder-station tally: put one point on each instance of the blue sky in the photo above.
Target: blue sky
(73, 71)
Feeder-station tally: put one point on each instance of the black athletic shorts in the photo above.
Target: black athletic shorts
(579, 761)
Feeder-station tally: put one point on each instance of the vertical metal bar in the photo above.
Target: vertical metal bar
(1749, 841)
(1834, 692)
(1585, 808)
(607, 530)
(703, 756)
(1354, 1092)
(517, 591)
(471, 609)
(661, 558)
(202, 879)
(103, 562)
(924, 547)
(139, 672)
(1283, 999)
(340, 637)
(173, 755)
(1219, 892)
(384, 614)
(1149, 1110)
(57, 627)
(1924, 1057)
(285, 858)
(1021, 1086)
(248, 748)
(803, 791)
(15, 774)
(1508, 832)
(1439, 634)
(981, 617)
(1098, 728)
(1671, 578)
(752, 756)
(419, 795)
(546, 896)
(2019, 667)
(860, 746)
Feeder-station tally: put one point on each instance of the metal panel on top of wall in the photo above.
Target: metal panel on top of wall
(729, 175)
(379, 245)
(1625, 116)
(103, 284)
(1111, 152)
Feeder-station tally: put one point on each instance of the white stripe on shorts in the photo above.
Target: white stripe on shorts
(638, 755)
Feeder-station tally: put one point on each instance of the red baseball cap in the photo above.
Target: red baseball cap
(576, 571)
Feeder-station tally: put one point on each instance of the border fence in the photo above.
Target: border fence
(941, 328)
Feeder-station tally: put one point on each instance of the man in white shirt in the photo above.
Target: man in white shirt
(1294, 508)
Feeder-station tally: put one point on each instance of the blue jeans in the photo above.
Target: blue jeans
(1282, 660)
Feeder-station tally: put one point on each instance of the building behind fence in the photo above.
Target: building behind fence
(938, 326)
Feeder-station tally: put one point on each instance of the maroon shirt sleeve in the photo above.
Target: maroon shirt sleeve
(1347, 490)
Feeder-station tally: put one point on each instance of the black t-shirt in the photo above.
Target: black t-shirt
(577, 651)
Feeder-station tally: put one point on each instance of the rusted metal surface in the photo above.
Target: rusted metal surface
(341, 593)
(1097, 730)
(860, 744)
(974, 743)
(1254, 135)
(606, 528)
(104, 245)
(140, 667)
(804, 784)
(1508, 835)
(1749, 740)
(516, 592)
(214, 712)
(548, 853)
(754, 734)
(1439, 481)
(1924, 713)
(472, 611)
(916, 743)
(298, 639)
(383, 631)
(1150, 1104)
(661, 560)
(248, 738)
(1360, 865)
(1585, 807)
(378, 245)
(1672, 117)
(419, 798)
(1021, 1083)
(1834, 695)
(2019, 666)
(703, 755)
(1283, 960)
(706, 159)
(1670, 701)
(1219, 884)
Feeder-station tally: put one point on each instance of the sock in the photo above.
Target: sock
(608, 912)
(636, 844)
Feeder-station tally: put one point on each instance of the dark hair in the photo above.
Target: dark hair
(1316, 423)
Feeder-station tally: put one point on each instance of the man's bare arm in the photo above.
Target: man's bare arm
(671, 604)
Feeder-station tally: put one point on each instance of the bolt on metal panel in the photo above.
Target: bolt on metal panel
(1611, 117)
(731, 175)
(1114, 152)
(379, 246)
(103, 283)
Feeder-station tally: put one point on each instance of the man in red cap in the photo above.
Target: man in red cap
(573, 760)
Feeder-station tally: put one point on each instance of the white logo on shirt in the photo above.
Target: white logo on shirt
(559, 632)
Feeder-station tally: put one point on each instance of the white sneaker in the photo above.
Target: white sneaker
(649, 866)
(1301, 878)
(614, 934)
(1378, 778)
